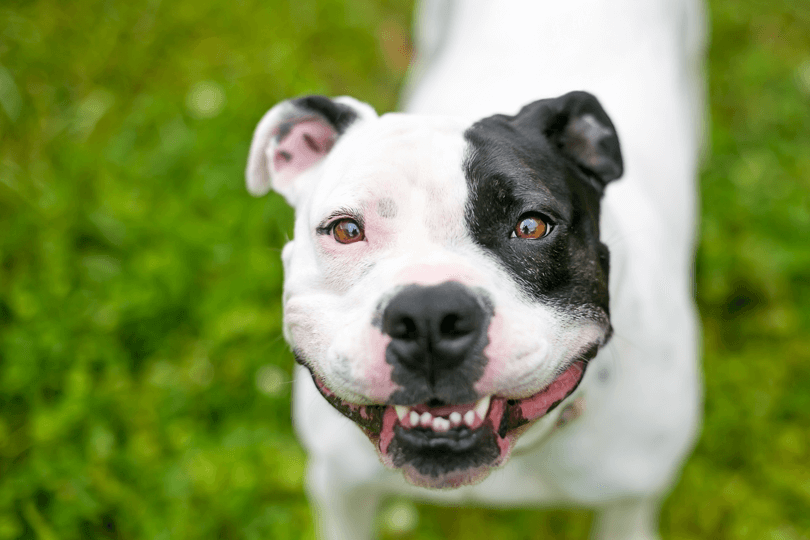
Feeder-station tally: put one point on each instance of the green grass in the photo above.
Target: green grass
(144, 388)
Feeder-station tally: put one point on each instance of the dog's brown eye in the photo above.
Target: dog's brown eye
(347, 231)
(531, 226)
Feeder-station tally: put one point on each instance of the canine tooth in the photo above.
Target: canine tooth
(469, 417)
(426, 419)
(414, 418)
(441, 424)
(401, 411)
(455, 418)
(482, 407)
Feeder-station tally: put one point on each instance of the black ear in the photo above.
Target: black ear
(580, 128)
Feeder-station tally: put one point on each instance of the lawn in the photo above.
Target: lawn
(144, 385)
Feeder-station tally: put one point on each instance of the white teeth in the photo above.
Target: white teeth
(482, 407)
(472, 417)
(469, 418)
(401, 411)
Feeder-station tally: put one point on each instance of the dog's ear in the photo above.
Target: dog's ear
(580, 128)
(293, 138)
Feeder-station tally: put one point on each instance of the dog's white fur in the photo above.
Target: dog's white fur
(642, 59)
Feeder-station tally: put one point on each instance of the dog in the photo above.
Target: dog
(490, 296)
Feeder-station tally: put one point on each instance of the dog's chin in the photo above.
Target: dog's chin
(453, 445)
(450, 480)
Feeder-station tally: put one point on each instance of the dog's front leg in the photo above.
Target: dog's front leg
(343, 511)
(628, 519)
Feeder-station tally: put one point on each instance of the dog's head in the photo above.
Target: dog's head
(446, 285)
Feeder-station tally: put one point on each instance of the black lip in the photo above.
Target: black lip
(459, 439)
(439, 454)
(368, 417)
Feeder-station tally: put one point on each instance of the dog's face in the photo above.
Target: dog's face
(446, 285)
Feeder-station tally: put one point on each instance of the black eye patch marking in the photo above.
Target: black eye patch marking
(512, 170)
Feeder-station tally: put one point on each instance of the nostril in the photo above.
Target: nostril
(404, 328)
(448, 325)
(452, 326)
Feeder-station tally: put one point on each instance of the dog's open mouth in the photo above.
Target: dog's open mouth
(453, 445)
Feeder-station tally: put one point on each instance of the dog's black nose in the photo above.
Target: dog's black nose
(433, 327)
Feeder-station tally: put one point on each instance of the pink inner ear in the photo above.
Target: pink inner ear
(304, 145)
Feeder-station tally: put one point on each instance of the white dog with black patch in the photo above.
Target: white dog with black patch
(500, 322)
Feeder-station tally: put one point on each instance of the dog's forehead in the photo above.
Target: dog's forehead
(394, 157)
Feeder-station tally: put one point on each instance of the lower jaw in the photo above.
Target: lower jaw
(450, 480)
(446, 468)
(432, 466)
(457, 476)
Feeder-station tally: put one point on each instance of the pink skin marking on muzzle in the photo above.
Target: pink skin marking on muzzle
(306, 143)
(496, 352)
(377, 373)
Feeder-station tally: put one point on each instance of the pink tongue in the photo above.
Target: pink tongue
(538, 404)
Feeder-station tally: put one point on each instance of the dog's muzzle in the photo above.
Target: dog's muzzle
(435, 426)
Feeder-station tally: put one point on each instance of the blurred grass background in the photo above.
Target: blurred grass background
(144, 386)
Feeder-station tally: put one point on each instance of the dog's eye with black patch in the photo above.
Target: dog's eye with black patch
(532, 226)
(347, 231)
